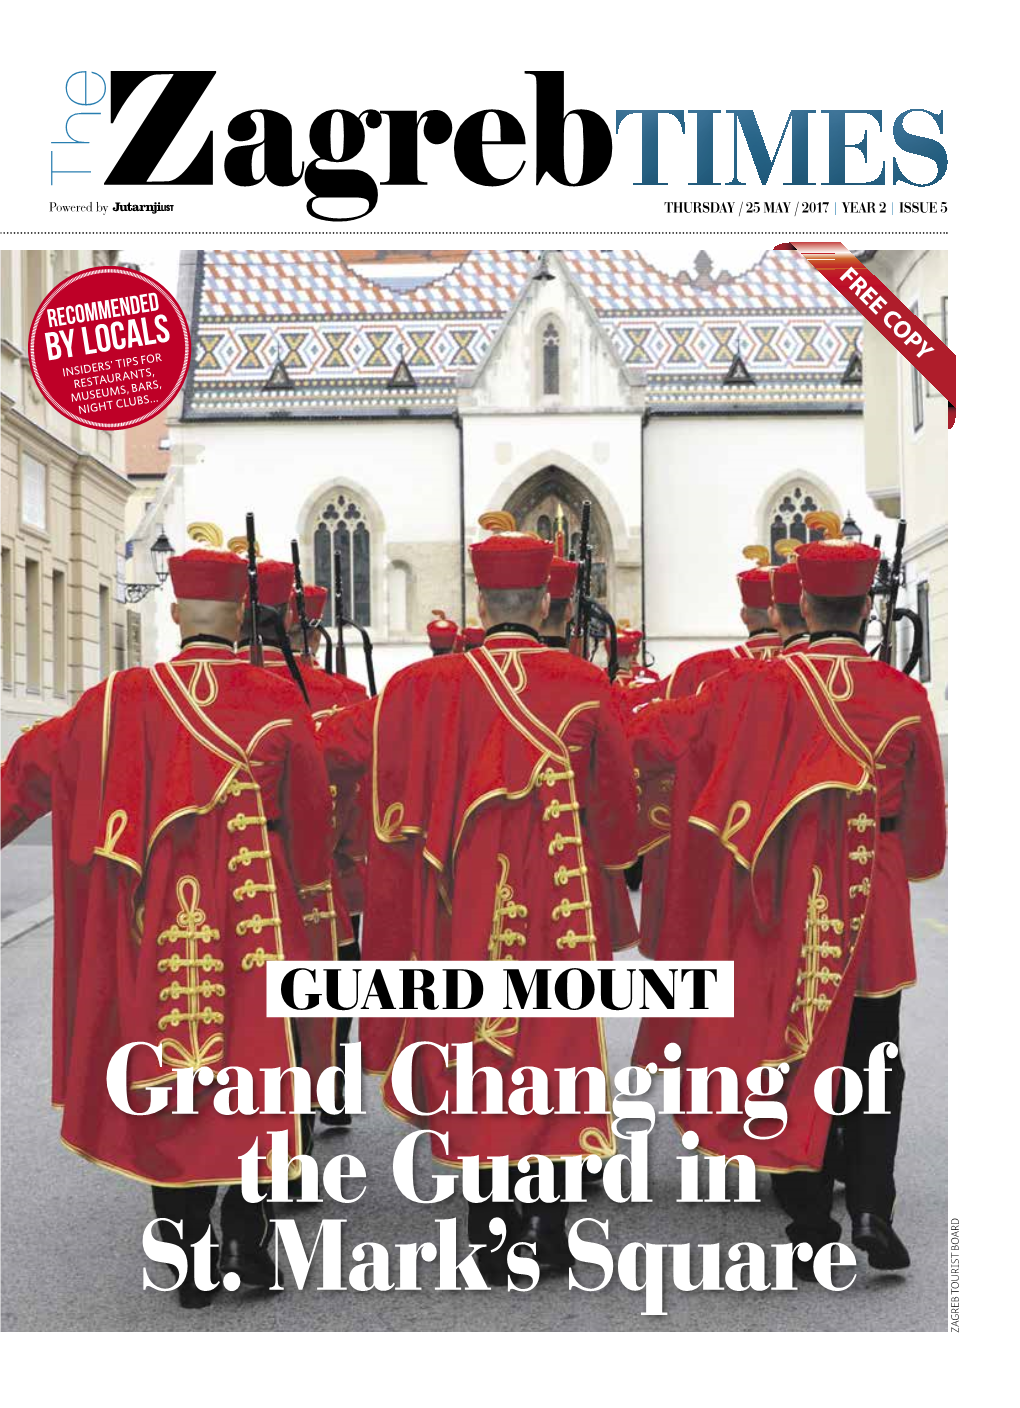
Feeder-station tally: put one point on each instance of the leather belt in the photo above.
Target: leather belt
(888, 823)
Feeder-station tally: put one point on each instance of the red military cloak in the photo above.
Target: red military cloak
(685, 679)
(775, 778)
(327, 695)
(189, 801)
(501, 789)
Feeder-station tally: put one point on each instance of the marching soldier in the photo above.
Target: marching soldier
(784, 609)
(471, 637)
(820, 776)
(631, 673)
(501, 787)
(189, 804)
(657, 799)
(562, 588)
(442, 633)
(762, 643)
(325, 695)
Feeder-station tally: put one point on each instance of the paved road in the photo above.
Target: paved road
(72, 1232)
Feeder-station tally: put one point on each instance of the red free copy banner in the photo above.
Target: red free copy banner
(907, 331)
(109, 347)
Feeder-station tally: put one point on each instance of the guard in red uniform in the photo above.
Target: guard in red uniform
(325, 695)
(784, 609)
(657, 798)
(631, 674)
(820, 775)
(471, 637)
(562, 588)
(190, 806)
(442, 634)
(762, 637)
(502, 787)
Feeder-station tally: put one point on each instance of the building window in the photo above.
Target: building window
(59, 606)
(104, 632)
(33, 493)
(917, 392)
(33, 626)
(786, 517)
(8, 608)
(923, 610)
(341, 527)
(551, 360)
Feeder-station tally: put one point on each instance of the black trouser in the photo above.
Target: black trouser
(239, 1220)
(348, 953)
(869, 1141)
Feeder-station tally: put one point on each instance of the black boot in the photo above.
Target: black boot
(544, 1225)
(192, 1208)
(491, 1258)
(874, 1235)
(244, 1245)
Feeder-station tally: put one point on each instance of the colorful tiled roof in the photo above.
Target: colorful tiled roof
(340, 336)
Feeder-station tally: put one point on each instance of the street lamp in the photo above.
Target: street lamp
(161, 551)
(850, 529)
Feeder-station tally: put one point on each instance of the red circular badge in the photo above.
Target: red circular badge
(109, 347)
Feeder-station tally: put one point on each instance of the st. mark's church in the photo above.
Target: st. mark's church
(377, 402)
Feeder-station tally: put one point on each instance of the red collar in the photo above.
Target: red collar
(205, 650)
(837, 645)
(763, 640)
(512, 640)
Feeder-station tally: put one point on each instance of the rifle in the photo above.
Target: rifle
(255, 646)
(340, 621)
(579, 627)
(586, 608)
(890, 579)
(338, 615)
(299, 592)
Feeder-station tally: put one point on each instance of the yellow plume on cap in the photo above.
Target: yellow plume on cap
(756, 552)
(825, 519)
(787, 547)
(206, 533)
(497, 521)
(240, 546)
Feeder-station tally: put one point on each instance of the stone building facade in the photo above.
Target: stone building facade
(906, 435)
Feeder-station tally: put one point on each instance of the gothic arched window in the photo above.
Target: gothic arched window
(786, 517)
(551, 360)
(341, 527)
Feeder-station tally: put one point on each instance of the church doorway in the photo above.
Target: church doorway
(550, 502)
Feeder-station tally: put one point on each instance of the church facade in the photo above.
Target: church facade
(379, 415)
